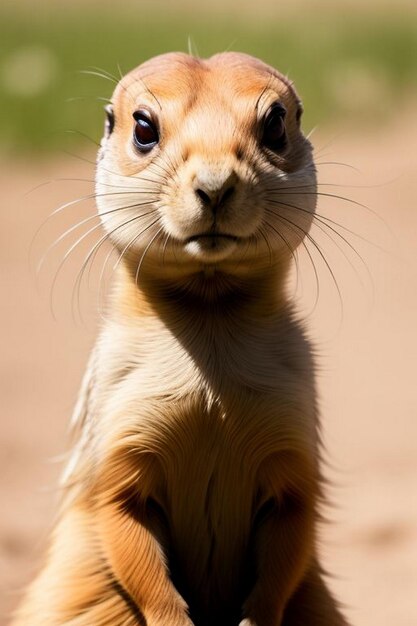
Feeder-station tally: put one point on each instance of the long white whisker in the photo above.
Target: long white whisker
(144, 253)
(302, 242)
(321, 253)
(92, 253)
(321, 223)
(81, 223)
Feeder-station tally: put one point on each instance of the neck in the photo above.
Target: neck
(209, 293)
(228, 327)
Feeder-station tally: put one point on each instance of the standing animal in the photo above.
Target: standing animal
(192, 494)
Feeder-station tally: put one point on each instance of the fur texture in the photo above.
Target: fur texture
(192, 494)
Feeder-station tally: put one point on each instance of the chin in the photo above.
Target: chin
(211, 249)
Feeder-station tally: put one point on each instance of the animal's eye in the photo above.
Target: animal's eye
(273, 134)
(145, 132)
(109, 123)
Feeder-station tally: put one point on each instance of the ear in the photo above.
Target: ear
(110, 121)
(299, 112)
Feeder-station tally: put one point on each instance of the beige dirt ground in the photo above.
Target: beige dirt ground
(367, 369)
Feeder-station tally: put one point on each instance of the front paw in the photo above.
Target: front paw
(266, 618)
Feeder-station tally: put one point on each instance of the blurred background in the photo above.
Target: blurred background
(354, 63)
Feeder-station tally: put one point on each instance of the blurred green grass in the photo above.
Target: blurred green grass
(362, 68)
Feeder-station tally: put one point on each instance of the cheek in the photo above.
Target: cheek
(127, 205)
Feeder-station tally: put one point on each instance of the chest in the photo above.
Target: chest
(214, 410)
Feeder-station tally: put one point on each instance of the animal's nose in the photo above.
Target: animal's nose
(214, 190)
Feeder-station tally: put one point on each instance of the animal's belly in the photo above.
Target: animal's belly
(211, 495)
(209, 516)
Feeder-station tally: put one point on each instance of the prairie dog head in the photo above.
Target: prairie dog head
(204, 167)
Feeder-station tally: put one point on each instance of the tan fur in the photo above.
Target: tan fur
(192, 495)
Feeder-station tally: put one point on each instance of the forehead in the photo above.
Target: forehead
(186, 82)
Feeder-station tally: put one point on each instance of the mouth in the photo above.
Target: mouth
(211, 246)
(212, 236)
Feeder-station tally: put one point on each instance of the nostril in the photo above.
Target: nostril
(215, 198)
(203, 196)
(213, 188)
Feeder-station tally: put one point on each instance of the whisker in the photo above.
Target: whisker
(90, 261)
(342, 251)
(92, 253)
(268, 245)
(173, 172)
(302, 242)
(328, 144)
(81, 223)
(262, 92)
(123, 176)
(286, 242)
(144, 254)
(318, 220)
(170, 173)
(240, 259)
(79, 98)
(102, 273)
(91, 196)
(102, 73)
(141, 215)
(55, 212)
(71, 249)
(132, 241)
(192, 48)
(330, 220)
(151, 93)
(101, 291)
(230, 46)
(311, 132)
(174, 244)
(71, 131)
(322, 193)
(351, 167)
(344, 186)
(164, 248)
(83, 180)
(107, 76)
(319, 250)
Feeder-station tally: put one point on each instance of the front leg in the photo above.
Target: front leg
(137, 559)
(134, 537)
(283, 545)
(312, 603)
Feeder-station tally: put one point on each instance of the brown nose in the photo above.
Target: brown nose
(214, 193)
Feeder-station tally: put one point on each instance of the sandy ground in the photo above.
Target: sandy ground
(367, 359)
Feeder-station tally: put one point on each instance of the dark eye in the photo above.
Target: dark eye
(145, 132)
(109, 123)
(273, 135)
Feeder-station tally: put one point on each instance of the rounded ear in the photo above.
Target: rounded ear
(299, 112)
(109, 122)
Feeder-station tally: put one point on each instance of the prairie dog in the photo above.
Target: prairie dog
(192, 494)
